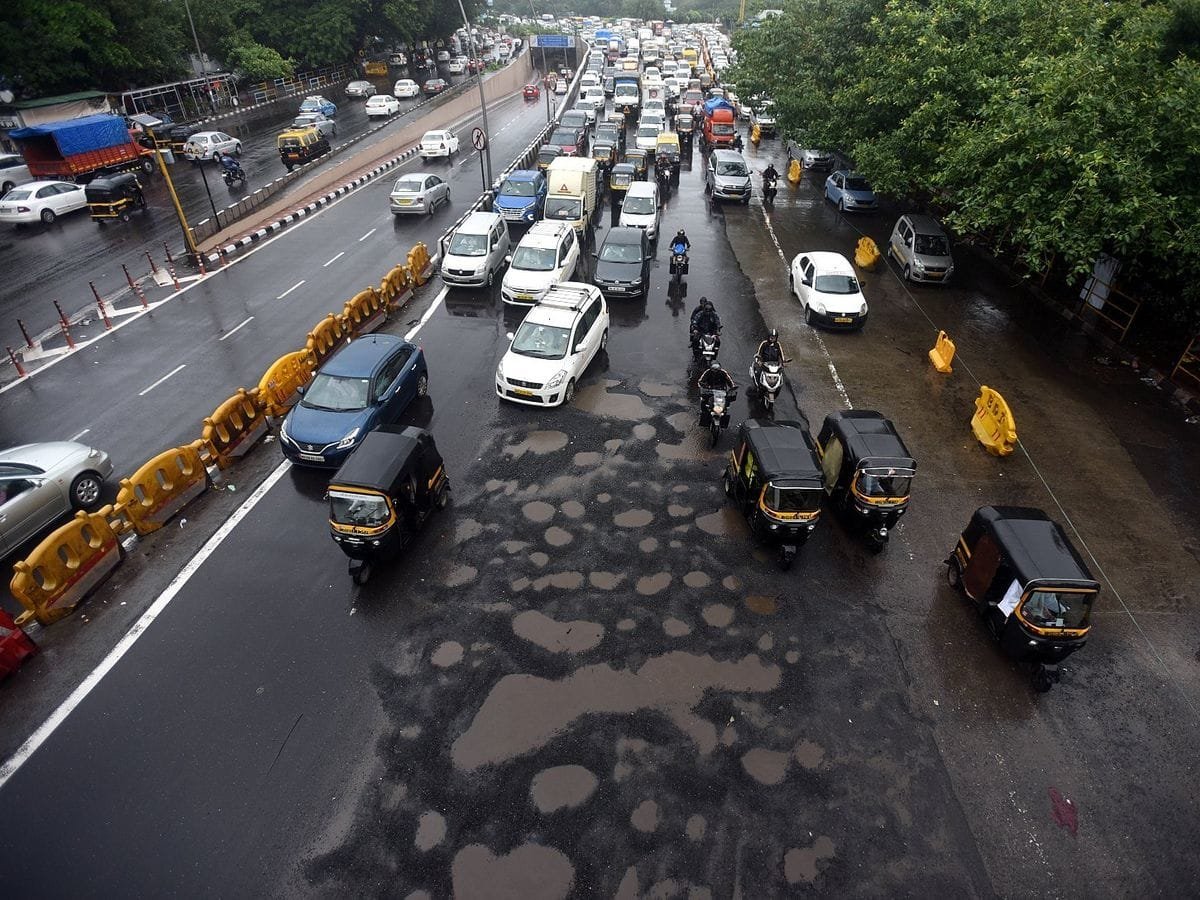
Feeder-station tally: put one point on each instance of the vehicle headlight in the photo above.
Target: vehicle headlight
(500, 370)
(918, 263)
(819, 308)
(557, 379)
(348, 440)
(93, 453)
(283, 432)
(862, 310)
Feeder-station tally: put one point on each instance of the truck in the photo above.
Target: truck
(81, 149)
(627, 92)
(719, 123)
(573, 189)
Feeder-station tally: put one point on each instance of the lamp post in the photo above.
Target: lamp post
(200, 56)
(545, 71)
(482, 98)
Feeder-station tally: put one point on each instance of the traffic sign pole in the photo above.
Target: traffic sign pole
(482, 99)
(480, 142)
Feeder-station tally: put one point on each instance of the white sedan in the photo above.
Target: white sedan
(827, 287)
(382, 105)
(206, 144)
(438, 143)
(41, 200)
(406, 89)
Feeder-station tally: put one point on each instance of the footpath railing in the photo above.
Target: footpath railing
(300, 83)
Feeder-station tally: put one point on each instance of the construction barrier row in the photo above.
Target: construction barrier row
(75, 559)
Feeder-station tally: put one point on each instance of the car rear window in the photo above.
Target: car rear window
(18, 194)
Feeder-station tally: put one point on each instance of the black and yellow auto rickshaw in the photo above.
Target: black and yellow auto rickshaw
(640, 160)
(114, 197)
(623, 174)
(685, 127)
(383, 493)
(617, 118)
(605, 155)
(1028, 582)
(300, 145)
(546, 154)
(868, 471)
(775, 479)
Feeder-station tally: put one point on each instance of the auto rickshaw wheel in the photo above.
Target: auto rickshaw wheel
(727, 485)
(125, 216)
(360, 573)
(953, 573)
(443, 499)
(1043, 679)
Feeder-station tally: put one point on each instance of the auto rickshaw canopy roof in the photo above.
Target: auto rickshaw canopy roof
(1034, 545)
(627, 169)
(870, 439)
(111, 187)
(784, 451)
(386, 458)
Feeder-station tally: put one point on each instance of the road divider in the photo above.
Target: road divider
(365, 311)
(942, 353)
(325, 336)
(993, 423)
(279, 387)
(234, 427)
(162, 487)
(795, 171)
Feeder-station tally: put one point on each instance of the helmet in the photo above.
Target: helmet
(716, 366)
(705, 303)
(773, 335)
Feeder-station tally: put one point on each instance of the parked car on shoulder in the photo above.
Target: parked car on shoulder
(406, 89)
(323, 124)
(417, 193)
(828, 290)
(849, 191)
(438, 143)
(360, 89)
(43, 483)
(382, 105)
(922, 248)
(317, 103)
(42, 201)
(207, 144)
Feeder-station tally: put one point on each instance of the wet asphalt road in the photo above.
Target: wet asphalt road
(585, 678)
(56, 262)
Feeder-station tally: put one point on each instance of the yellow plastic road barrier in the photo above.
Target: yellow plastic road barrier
(162, 487)
(396, 288)
(993, 423)
(942, 353)
(795, 170)
(866, 253)
(325, 337)
(66, 566)
(419, 264)
(234, 427)
(278, 388)
(364, 312)
(755, 134)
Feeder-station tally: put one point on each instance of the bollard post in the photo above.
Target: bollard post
(224, 256)
(153, 267)
(100, 303)
(135, 287)
(167, 250)
(16, 362)
(200, 260)
(25, 334)
(64, 325)
(171, 269)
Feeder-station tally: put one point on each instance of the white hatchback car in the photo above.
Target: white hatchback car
(559, 338)
(547, 255)
(205, 144)
(41, 200)
(827, 287)
(406, 89)
(438, 143)
(382, 105)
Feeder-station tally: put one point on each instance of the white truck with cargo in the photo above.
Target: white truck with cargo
(573, 191)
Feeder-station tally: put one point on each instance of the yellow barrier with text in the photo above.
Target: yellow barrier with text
(993, 423)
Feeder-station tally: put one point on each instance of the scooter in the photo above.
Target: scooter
(769, 190)
(714, 411)
(679, 262)
(767, 379)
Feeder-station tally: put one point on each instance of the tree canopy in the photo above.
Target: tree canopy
(1056, 130)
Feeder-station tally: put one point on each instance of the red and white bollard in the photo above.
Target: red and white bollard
(16, 362)
(153, 267)
(25, 334)
(100, 303)
(171, 265)
(64, 325)
(135, 287)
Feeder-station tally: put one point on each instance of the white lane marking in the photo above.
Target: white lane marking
(289, 290)
(77, 696)
(175, 371)
(437, 301)
(833, 372)
(367, 235)
(76, 437)
(335, 259)
(235, 329)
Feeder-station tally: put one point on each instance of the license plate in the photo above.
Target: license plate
(405, 202)
(933, 274)
(312, 457)
(522, 392)
(843, 320)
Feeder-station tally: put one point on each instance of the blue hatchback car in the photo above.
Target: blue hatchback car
(318, 104)
(849, 190)
(368, 383)
(522, 196)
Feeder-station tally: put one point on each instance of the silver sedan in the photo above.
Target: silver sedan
(42, 483)
(418, 193)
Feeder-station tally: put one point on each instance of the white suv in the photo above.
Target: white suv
(547, 255)
(559, 338)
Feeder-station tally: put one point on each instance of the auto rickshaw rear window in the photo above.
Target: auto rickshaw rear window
(362, 510)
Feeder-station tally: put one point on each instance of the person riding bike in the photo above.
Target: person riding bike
(680, 243)
(770, 173)
(715, 378)
(737, 143)
(229, 164)
(770, 350)
(705, 319)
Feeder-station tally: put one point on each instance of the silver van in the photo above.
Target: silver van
(727, 176)
(922, 248)
(476, 250)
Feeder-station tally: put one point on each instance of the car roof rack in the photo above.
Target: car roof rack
(562, 297)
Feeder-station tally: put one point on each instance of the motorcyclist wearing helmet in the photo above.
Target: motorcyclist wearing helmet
(229, 163)
(681, 244)
(705, 318)
(770, 350)
(770, 173)
(715, 378)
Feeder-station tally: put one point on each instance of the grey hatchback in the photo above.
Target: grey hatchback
(726, 176)
(921, 247)
(42, 483)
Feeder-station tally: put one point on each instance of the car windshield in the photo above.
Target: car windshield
(468, 244)
(836, 284)
(362, 510)
(337, 392)
(409, 185)
(639, 206)
(650, 131)
(731, 169)
(1058, 609)
(932, 245)
(884, 485)
(624, 253)
(542, 341)
(518, 188)
(564, 138)
(792, 500)
(562, 208)
(534, 259)
(857, 184)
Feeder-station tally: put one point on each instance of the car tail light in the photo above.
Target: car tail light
(23, 209)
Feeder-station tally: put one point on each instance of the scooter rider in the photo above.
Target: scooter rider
(229, 164)
(770, 173)
(770, 350)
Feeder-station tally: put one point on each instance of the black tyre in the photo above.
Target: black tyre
(48, 216)
(842, 206)
(1043, 680)
(86, 489)
(569, 394)
(422, 385)
(714, 430)
(953, 573)
(147, 166)
(727, 485)
(125, 216)
(490, 278)
(604, 340)
(361, 574)
(907, 273)
(786, 558)
(809, 317)
(443, 499)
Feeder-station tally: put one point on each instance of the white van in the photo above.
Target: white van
(476, 250)
(640, 209)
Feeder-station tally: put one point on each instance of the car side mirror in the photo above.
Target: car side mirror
(300, 390)
(508, 260)
(509, 335)
(595, 254)
(807, 282)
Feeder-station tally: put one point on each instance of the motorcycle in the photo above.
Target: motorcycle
(663, 175)
(769, 190)
(767, 379)
(706, 345)
(233, 176)
(714, 411)
(679, 262)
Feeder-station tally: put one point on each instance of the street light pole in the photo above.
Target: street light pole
(200, 56)
(545, 71)
(482, 98)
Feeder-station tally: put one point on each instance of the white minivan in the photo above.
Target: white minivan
(640, 209)
(476, 250)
